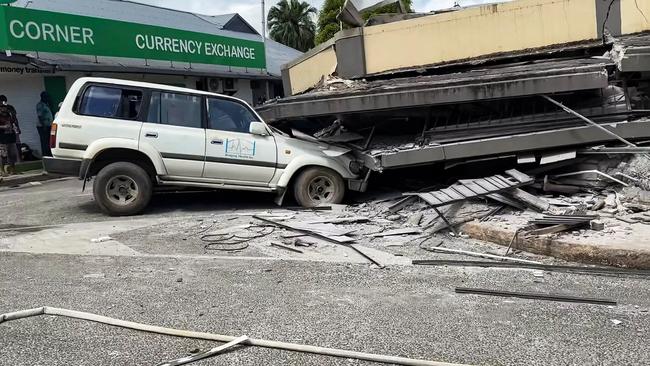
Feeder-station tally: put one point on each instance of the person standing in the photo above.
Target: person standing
(8, 132)
(45, 118)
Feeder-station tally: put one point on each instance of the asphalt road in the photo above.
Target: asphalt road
(404, 310)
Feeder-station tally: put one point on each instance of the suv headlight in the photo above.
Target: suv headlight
(356, 167)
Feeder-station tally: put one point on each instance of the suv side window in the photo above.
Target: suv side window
(226, 115)
(175, 109)
(111, 102)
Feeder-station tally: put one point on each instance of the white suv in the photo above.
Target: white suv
(134, 136)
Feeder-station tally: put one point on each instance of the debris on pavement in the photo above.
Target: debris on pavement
(286, 247)
(534, 296)
(101, 239)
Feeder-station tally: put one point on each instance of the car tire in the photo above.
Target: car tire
(318, 186)
(122, 189)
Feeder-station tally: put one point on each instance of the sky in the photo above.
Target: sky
(251, 9)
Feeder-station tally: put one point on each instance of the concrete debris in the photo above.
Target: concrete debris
(597, 225)
(101, 239)
(414, 220)
(286, 247)
(616, 321)
(404, 231)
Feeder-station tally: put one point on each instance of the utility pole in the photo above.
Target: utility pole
(266, 82)
(263, 21)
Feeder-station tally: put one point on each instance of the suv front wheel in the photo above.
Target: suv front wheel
(318, 186)
(122, 189)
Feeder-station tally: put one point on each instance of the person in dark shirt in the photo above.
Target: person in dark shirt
(45, 119)
(9, 131)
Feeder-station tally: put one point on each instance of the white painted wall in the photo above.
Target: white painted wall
(23, 92)
(244, 91)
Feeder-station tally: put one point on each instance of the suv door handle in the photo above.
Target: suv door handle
(151, 134)
(217, 142)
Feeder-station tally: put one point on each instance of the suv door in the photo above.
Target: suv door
(232, 153)
(174, 126)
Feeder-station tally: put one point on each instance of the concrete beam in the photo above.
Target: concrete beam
(418, 94)
(565, 137)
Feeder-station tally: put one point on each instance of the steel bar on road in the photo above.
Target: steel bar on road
(483, 255)
(317, 235)
(534, 296)
(598, 271)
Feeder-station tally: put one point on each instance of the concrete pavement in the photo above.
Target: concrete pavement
(408, 311)
(157, 271)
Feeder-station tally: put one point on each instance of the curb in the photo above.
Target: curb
(562, 249)
(18, 180)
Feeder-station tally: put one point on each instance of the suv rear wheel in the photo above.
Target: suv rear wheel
(318, 186)
(122, 189)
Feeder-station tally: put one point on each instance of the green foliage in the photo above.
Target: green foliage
(290, 23)
(328, 25)
(388, 9)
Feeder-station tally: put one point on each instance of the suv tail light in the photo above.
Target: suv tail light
(53, 136)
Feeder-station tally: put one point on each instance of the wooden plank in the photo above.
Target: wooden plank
(429, 198)
(509, 181)
(552, 229)
(519, 176)
(505, 200)
(453, 194)
(530, 200)
(464, 190)
(397, 206)
(497, 182)
(476, 188)
(441, 197)
(486, 185)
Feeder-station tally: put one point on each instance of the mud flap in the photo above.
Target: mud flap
(280, 197)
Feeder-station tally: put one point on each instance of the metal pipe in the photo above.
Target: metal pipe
(571, 111)
(334, 352)
(594, 172)
(483, 255)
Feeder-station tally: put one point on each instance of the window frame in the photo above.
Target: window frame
(202, 105)
(82, 95)
(243, 104)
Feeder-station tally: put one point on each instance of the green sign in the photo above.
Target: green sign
(36, 30)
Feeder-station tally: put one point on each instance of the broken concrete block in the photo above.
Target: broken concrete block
(414, 220)
(597, 225)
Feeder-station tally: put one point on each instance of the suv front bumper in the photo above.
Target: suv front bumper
(69, 167)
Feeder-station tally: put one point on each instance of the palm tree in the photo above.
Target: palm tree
(291, 23)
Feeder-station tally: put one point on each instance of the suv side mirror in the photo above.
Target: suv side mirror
(258, 128)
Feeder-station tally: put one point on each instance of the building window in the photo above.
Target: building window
(226, 115)
(108, 102)
(175, 109)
